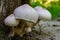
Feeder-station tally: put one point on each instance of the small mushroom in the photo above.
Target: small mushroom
(28, 29)
(28, 17)
(11, 21)
(43, 13)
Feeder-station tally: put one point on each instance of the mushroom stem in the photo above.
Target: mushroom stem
(38, 21)
(11, 32)
(20, 28)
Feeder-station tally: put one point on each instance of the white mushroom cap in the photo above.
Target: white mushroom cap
(43, 13)
(11, 21)
(26, 12)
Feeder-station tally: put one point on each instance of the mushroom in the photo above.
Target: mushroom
(11, 21)
(27, 16)
(43, 13)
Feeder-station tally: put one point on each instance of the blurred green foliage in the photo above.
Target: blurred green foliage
(35, 4)
(55, 10)
(54, 7)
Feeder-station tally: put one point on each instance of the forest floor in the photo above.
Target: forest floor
(37, 35)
